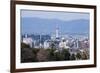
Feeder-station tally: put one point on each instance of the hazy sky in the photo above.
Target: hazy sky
(46, 21)
(65, 16)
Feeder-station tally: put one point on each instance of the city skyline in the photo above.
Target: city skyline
(50, 37)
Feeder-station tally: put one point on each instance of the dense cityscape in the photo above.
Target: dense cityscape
(55, 47)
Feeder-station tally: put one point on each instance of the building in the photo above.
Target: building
(46, 44)
(57, 41)
(28, 40)
(64, 44)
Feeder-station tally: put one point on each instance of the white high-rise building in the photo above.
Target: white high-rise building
(63, 43)
(57, 32)
(46, 44)
(76, 44)
(28, 41)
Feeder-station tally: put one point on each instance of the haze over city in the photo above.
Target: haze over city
(46, 22)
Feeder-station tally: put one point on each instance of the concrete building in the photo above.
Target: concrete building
(28, 40)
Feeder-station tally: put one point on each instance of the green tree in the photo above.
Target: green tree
(58, 56)
(73, 57)
(51, 55)
(27, 55)
(84, 56)
(78, 56)
(66, 54)
(23, 45)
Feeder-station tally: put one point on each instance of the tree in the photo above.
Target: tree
(42, 55)
(51, 54)
(58, 56)
(27, 55)
(78, 56)
(73, 57)
(84, 56)
(66, 54)
(23, 45)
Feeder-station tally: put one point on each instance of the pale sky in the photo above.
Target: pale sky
(64, 16)
(46, 21)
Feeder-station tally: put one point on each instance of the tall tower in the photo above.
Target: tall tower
(57, 32)
(26, 35)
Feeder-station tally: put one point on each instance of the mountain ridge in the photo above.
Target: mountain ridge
(49, 25)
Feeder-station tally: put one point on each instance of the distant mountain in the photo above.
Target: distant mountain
(38, 25)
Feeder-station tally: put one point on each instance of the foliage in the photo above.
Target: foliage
(27, 55)
(51, 54)
(23, 45)
(78, 56)
(66, 54)
(84, 56)
(42, 55)
(73, 57)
